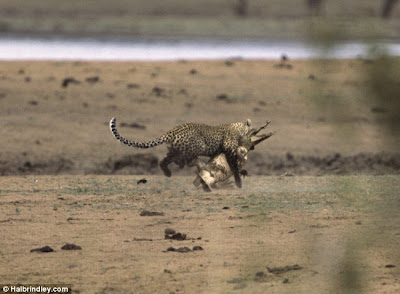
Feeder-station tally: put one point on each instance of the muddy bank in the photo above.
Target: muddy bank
(258, 164)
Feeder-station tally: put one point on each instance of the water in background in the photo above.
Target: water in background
(58, 48)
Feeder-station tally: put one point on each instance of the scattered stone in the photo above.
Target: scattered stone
(358, 222)
(151, 213)
(279, 270)
(285, 281)
(260, 274)
(142, 181)
(292, 231)
(180, 249)
(158, 91)
(229, 63)
(69, 80)
(390, 266)
(193, 71)
(142, 239)
(28, 79)
(222, 97)
(92, 80)
(311, 77)
(197, 248)
(133, 86)
(183, 249)
(169, 231)
(33, 102)
(43, 249)
(70, 246)
(176, 236)
(167, 271)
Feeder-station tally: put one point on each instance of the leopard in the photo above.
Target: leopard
(188, 141)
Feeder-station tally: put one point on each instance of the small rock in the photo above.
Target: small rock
(176, 236)
(70, 246)
(43, 249)
(132, 86)
(151, 213)
(285, 281)
(390, 266)
(169, 231)
(183, 249)
(278, 270)
(196, 248)
(222, 97)
(142, 181)
(193, 71)
(158, 91)
(92, 80)
(69, 80)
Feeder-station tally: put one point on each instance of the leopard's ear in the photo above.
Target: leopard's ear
(248, 122)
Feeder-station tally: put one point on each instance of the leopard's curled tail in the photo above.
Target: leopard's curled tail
(149, 144)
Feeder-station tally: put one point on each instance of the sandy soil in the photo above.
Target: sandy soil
(327, 122)
(327, 234)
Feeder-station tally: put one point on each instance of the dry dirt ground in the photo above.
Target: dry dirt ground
(330, 234)
(333, 227)
(55, 115)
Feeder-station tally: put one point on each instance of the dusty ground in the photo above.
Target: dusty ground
(330, 234)
(341, 230)
(326, 119)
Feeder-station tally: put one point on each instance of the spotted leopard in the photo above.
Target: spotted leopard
(188, 141)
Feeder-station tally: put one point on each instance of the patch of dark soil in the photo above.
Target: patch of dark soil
(133, 125)
(138, 164)
(43, 249)
(158, 91)
(70, 246)
(92, 80)
(336, 164)
(151, 213)
(38, 167)
(142, 239)
(279, 270)
(133, 86)
(257, 164)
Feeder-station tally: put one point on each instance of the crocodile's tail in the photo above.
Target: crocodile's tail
(148, 144)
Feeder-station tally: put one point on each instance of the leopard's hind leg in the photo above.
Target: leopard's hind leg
(171, 157)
